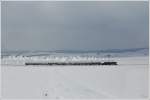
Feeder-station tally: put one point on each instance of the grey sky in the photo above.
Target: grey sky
(74, 25)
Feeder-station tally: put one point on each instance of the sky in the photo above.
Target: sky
(74, 25)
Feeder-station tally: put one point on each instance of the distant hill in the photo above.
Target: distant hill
(118, 52)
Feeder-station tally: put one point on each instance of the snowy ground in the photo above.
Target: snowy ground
(129, 79)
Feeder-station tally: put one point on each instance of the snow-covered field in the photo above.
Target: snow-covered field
(129, 79)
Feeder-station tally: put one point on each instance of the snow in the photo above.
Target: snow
(129, 79)
(20, 60)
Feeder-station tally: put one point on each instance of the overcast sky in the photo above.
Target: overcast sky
(74, 25)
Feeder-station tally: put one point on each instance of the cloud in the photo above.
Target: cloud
(74, 25)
